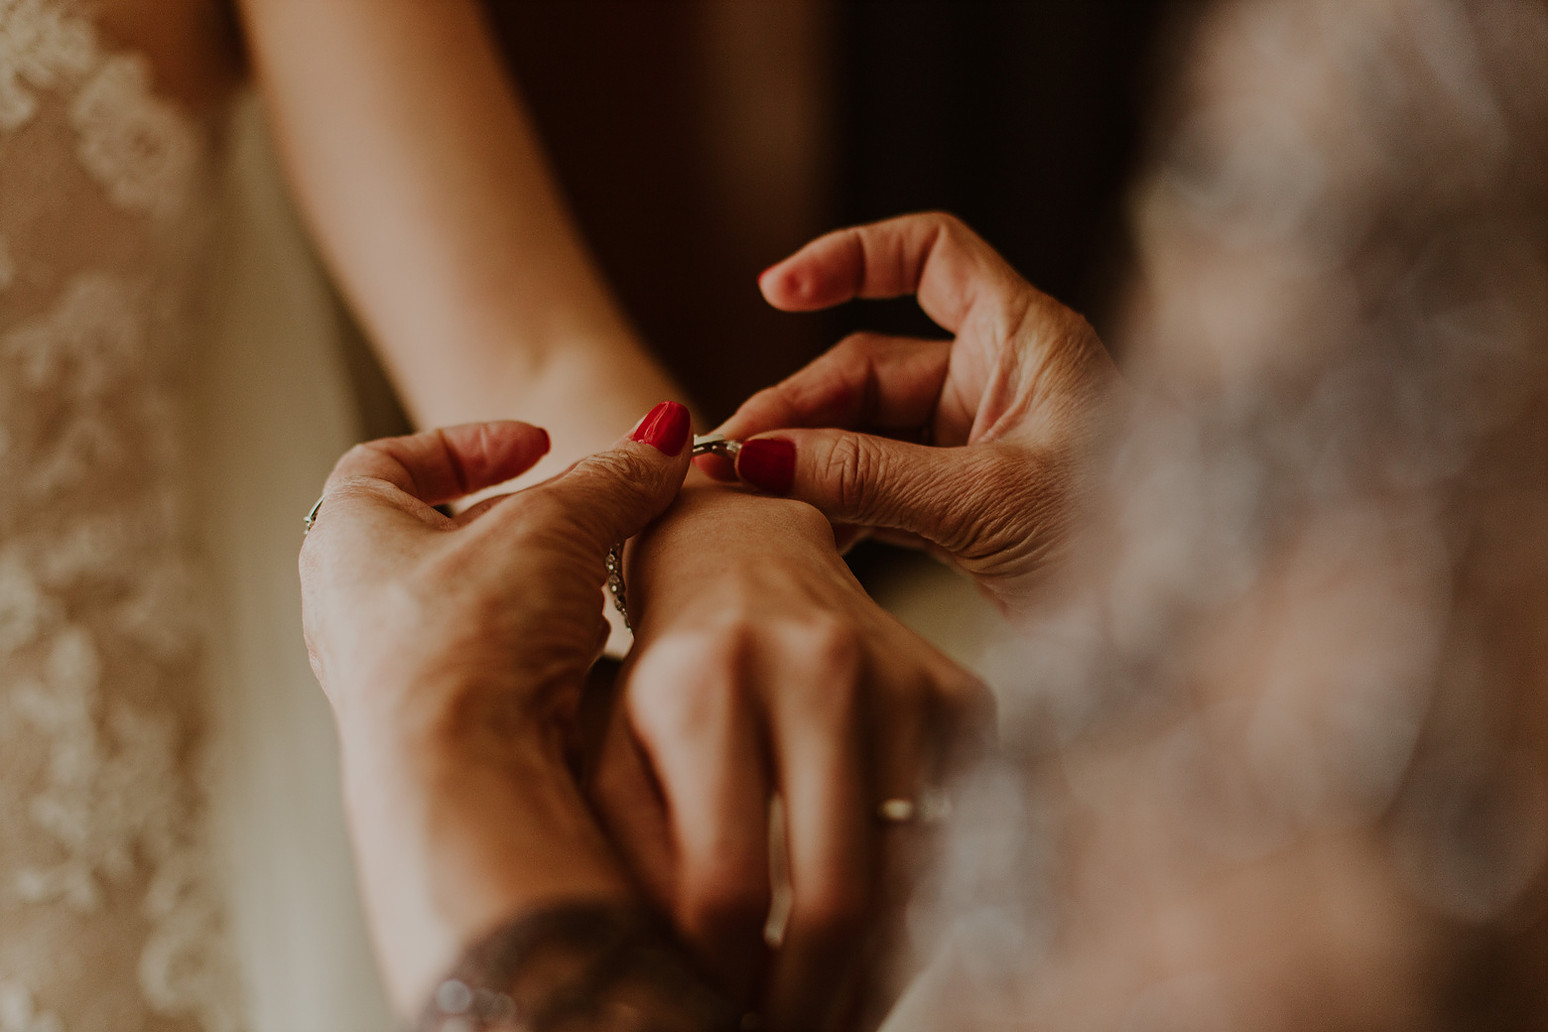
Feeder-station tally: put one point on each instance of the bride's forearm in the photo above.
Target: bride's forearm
(426, 186)
(586, 396)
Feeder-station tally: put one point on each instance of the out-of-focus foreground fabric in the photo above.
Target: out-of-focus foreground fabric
(1277, 755)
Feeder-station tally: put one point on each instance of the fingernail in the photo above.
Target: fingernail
(664, 428)
(767, 463)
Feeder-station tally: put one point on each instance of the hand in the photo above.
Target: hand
(760, 666)
(1009, 404)
(453, 650)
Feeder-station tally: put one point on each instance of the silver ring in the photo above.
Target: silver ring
(931, 807)
(311, 518)
(716, 444)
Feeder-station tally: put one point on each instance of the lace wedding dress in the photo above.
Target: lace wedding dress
(128, 898)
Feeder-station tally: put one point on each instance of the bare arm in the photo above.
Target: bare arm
(426, 187)
(429, 194)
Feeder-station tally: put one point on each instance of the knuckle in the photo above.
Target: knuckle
(361, 454)
(850, 466)
(344, 493)
(355, 456)
(858, 345)
(1003, 496)
(946, 223)
(617, 474)
(619, 464)
(689, 681)
(833, 646)
(368, 460)
(724, 652)
(663, 690)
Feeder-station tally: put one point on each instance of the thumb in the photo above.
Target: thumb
(947, 496)
(612, 495)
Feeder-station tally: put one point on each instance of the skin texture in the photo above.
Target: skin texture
(426, 187)
(798, 698)
(453, 651)
(425, 184)
(1010, 404)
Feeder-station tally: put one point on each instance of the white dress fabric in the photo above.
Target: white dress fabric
(273, 410)
(169, 858)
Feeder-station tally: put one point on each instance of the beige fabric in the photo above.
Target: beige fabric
(117, 902)
(274, 414)
(108, 917)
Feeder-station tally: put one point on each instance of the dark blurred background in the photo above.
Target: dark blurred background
(701, 140)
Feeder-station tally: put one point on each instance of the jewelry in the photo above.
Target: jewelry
(703, 444)
(615, 582)
(716, 444)
(311, 518)
(931, 807)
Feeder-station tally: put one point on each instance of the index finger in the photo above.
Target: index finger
(866, 380)
(933, 255)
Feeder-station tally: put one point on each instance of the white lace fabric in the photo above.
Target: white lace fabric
(108, 916)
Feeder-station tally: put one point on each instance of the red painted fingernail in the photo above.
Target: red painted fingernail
(664, 428)
(767, 463)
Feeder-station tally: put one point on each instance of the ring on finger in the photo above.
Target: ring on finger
(311, 518)
(930, 807)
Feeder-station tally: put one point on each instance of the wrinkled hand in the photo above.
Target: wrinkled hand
(1008, 405)
(400, 599)
(453, 651)
(761, 666)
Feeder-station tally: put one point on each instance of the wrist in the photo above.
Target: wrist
(703, 500)
(712, 539)
(454, 833)
(465, 700)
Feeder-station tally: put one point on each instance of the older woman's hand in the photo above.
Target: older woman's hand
(453, 651)
(1007, 406)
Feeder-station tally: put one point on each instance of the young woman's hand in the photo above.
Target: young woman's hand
(453, 651)
(1005, 408)
(761, 667)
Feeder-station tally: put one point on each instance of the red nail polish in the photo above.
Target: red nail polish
(665, 428)
(767, 463)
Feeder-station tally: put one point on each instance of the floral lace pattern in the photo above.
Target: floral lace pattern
(19, 1014)
(104, 859)
(41, 46)
(131, 142)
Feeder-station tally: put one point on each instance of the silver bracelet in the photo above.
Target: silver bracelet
(703, 444)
